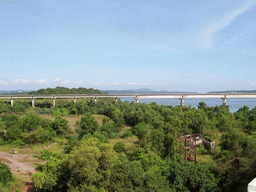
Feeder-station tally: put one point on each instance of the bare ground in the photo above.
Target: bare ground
(21, 165)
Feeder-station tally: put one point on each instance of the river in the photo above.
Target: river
(234, 103)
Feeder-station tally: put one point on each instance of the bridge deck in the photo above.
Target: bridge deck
(139, 96)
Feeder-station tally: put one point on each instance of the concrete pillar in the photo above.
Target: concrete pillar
(182, 101)
(137, 98)
(33, 102)
(116, 99)
(252, 186)
(53, 101)
(11, 101)
(95, 99)
(74, 99)
(224, 102)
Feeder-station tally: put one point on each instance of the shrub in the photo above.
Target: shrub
(127, 134)
(119, 147)
(5, 173)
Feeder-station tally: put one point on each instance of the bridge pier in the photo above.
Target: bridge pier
(224, 102)
(74, 99)
(116, 99)
(11, 101)
(137, 98)
(182, 101)
(53, 101)
(32, 102)
(95, 99)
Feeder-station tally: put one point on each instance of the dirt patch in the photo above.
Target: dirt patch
(21, 165)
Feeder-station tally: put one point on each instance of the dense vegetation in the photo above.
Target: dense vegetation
(154, 162)
(65, 90)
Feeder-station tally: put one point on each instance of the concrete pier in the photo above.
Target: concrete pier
(53, 101)
(224, 102)
(75, 99)
(182, 101)
(116, 99)
(11, 101)
(137, 98)
(95, 99)
(33, 102)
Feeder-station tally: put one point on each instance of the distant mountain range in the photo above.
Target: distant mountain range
(14, 92)
(144, 90)
(234, 91)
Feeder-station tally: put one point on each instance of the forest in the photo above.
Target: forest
(133, 147)
(65, 90)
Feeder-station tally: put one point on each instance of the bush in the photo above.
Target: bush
(127, 134)
(60, 112)
(119, 147)
(5, 173)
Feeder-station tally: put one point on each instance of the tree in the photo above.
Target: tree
(60, 125)
(88, 124)
(191, 177)
(87, 168)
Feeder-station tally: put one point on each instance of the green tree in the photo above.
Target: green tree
(60, 125)
(88, 125)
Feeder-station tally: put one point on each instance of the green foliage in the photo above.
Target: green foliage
(46, 155)
(127, 134)
(41, 135)
(190, 177)
(60, 125)
(65, 90)
(60, 111)
(119, 147)
(110, 129)
(88, 125)
(30, 121)
(5, 173)
(87, 168)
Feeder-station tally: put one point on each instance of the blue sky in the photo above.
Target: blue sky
(176, 45)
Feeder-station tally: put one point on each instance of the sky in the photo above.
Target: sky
(173, 45)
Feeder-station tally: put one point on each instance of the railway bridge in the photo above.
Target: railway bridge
(137, 97)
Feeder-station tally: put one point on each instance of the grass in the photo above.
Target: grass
(129, 142)
(204, 158)
(15, 186)
(3, 160)
(99, 118)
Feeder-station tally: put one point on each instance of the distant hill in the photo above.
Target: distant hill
(65, 90)
(234, 91)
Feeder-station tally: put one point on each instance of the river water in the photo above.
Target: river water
(234, 103)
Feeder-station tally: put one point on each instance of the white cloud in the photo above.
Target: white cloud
(61, 82)
(3, 82)
(206, 36)
(22, 81)
(27, 81)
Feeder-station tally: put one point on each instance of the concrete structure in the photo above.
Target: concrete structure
(33, 102)
(252, 186)
(137, 97)
(182, 101)
(11, 101)
(209, 145)
(53, 101)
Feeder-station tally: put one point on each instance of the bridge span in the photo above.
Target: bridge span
(137, 97)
